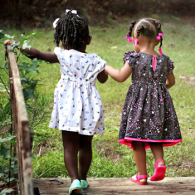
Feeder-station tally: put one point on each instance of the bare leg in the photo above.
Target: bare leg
(159, 172)
(140, 160)
(85, 155)
(71, 148)
(140, 157)
(157, 150)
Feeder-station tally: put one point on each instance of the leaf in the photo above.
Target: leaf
(6, 37)
(15, 44)
(8, 138)
(7, 190)
(1, 175)
(31, 68)
(28, 93)
(2, 87)
(3, 151)
(12, 142)
(1, 35)
(25, 45)
(4, 65)
(32, 34)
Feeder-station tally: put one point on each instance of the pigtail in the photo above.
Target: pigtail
(161, 39)
(131, 27)
(157, 24)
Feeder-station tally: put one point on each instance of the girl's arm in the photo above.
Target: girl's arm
(46, 56)
(102, 76)
(119, 75)
(35, 53)
(170, 81)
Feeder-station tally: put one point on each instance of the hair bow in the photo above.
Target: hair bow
(159, 36)
(130, 39)
(55, 22)
(67, 10)
(72, 11)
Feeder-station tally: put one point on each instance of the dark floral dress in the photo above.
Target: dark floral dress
(148, 113)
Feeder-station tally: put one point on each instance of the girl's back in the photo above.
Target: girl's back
(75, 65)
(77, 103)
(142, 65)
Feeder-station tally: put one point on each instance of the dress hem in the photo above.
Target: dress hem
(83, 132)
(128, 141)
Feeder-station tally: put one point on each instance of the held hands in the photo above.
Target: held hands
(119, 75)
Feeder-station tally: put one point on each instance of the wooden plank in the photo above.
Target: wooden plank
(115, 186)
(21, 125)
(17, 86)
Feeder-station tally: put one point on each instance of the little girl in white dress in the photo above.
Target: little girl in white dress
(77, 103)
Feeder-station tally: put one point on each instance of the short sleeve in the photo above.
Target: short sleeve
(170, 66)
(58, 51)
(130, 57)
(101, 64)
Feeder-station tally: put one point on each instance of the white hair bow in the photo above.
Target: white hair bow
(73, 11)
(67, 10)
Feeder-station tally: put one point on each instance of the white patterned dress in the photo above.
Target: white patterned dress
(77, 103)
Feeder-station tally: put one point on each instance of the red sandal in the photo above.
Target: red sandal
(159, 172)
(138, 178)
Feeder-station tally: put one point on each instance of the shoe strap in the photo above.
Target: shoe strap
(160, 160)
(141, 176)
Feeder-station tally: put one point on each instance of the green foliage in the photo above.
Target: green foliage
(6, 191)
(35, 108)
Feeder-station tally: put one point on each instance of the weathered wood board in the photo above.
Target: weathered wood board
(116, 186)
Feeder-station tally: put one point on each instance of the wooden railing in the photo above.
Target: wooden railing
(21, 128)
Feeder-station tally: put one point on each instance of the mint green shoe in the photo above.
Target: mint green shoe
(75, 187)
(84, 184)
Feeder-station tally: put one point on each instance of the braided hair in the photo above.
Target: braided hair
(72, 30)
(147, 27)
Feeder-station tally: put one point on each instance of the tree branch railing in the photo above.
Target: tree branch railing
(21, 128)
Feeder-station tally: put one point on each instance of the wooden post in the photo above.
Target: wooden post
(21, 128)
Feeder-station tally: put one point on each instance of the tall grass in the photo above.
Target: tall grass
(111, 159)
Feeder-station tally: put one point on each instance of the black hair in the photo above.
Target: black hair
(148, 27)
(72, 30)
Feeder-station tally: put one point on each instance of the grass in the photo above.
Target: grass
(111, 159)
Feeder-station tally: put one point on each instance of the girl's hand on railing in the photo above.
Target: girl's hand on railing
(8, 42)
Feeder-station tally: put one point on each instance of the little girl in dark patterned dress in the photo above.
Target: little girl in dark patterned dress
(148, 118)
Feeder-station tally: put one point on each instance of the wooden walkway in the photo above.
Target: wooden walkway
(119, 186)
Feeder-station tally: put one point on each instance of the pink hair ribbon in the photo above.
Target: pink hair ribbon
(136, 40)
(159, 36)
(160, 50)
(154, 62)
(130, 39)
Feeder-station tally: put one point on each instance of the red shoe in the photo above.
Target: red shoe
(138, 178)
(159, 172)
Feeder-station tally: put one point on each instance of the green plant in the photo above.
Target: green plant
(35, 105)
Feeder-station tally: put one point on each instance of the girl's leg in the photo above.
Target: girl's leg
(157, 150)
(85, 155)
(140, 157)
(71, 148)
(160, 168)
